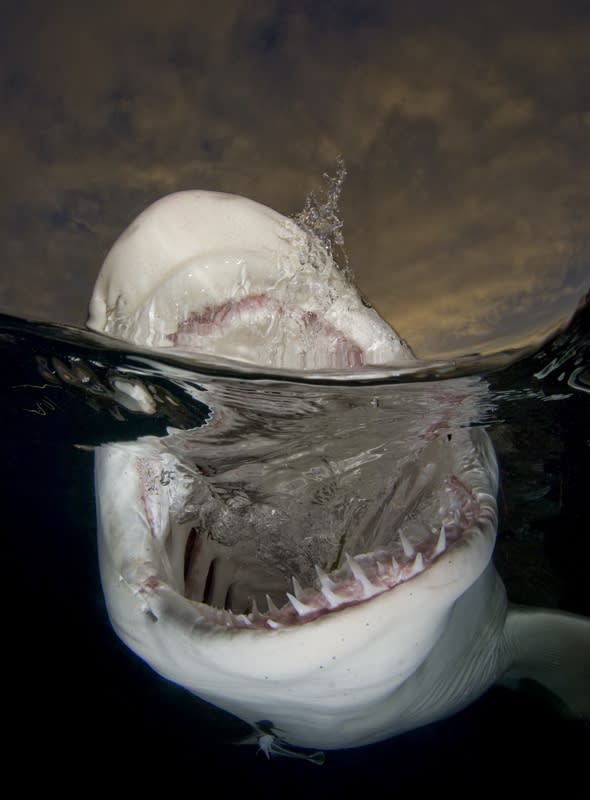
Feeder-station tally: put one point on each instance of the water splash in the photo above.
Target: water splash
(321, 217)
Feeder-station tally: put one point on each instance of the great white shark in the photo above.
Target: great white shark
(404, 625)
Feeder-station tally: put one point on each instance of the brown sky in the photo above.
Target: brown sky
(466, 134)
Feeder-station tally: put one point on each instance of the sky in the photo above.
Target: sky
(464, 127)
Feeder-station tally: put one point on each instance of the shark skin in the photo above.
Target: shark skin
(384, 641)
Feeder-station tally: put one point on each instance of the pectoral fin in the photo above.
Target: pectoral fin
(553, 649)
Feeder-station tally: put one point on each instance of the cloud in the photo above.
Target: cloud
(465, 139)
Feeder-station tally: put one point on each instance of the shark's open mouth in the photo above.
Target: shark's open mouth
(241, 562)
(229, 584)
(258, 560)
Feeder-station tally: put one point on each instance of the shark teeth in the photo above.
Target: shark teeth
(298, 591)
(369, 590)
(362, 577)
(409, 551)
(301, 608)
(417, 566)
(441, 544)
(272, 609)
(326, 587)
(366, 580)
(244, 619)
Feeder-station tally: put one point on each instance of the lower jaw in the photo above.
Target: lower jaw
(229, 590)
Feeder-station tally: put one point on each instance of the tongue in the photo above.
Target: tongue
(223, 275)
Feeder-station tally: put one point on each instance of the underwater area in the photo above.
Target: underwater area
(61, 398)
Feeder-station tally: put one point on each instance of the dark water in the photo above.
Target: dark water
(76, 698)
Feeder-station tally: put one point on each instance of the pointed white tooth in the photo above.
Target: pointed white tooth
(272, 609)
(380, 569)
(301, 608)
(332, 599)
(324, 578)
(368, 589)
(441, 544)
(395, 567)
(272, 623)
(408, 549)
(297, 588)
(326, 586)
(254, 608)
(417, 566)
(244, 619)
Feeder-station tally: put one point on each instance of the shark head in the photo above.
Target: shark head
(220, 565)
